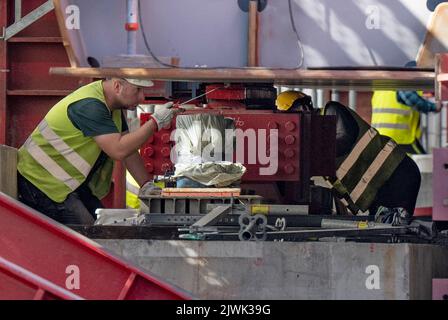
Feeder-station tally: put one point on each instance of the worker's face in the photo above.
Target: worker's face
(128, 95)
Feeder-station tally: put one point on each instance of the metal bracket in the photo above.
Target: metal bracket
(27, 20)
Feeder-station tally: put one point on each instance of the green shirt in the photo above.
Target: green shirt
(94, 120)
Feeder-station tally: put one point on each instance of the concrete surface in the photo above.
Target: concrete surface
(287, 270)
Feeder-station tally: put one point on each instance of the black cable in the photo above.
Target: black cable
(148, 48)
(145, 40)
(293, 25)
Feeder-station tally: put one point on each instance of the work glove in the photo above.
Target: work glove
(163, 115)
(149, 189)
(393, 216)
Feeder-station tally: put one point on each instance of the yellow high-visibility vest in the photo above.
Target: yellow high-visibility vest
(364, 170)
(394, 119)
(57, 157)
(132, 189)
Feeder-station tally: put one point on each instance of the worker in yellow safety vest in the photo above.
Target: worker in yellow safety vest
(372, 172)
(132, 191)
(65, 165)
(396, 114)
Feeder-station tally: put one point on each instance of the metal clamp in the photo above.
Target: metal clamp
(252, 227)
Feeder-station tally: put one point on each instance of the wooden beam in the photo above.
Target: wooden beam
(337, 79)
(8, 171)
(58, 9)
(252, 34)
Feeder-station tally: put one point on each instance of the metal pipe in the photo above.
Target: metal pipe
(17, 10)
(335, 96)
(279, 209)
(320, 98)
(132, 26)
(347, 224)
(352, 95)
(314, 97)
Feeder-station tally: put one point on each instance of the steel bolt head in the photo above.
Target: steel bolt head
(148, 152)
(289, 153)
(289, 169)
(289, 140)
(290, 126)
(272, 125)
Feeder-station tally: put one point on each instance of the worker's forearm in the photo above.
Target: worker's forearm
(135, 165)
(131, 142)
(414, 100)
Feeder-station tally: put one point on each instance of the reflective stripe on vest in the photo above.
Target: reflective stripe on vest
(68, 153)
(399, 126)
(365, 168)
(393, 111)
(132, 191)
(344, 168)
(57, 157)
(372, 170)
(394, 119)
(50, 165)
(131, 188)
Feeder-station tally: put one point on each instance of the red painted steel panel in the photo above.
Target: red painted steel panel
(30, 62)
(27, 112)
(47, 248)
(46, 26)
(156, 151)
(440, 185)
(18, 283)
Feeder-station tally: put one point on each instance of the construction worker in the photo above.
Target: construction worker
(372, 172)
(65, 165)
(396, 114)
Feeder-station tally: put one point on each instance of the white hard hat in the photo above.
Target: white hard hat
(140, 82)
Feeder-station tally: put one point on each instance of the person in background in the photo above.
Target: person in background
(396, 114)
(373, 174)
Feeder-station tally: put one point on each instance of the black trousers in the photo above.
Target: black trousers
(401, 189)
(78, 208)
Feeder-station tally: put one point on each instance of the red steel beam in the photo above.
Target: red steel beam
(19, 283)
(58, 254)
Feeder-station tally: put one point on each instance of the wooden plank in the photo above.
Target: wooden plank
(74, 55)
(8, 170)
(436, 38)
(36, 39)
(201, 192)
(253, 34)
(33, 92)
(337, 79)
